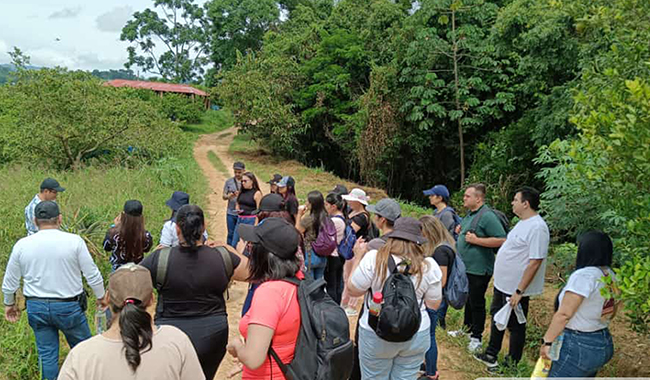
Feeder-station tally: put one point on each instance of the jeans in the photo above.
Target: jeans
(241, 220)
(46, 319)
(431, 357)
(517, 331)
(442, 314)
(334, 277)
(315, 265)
(383, 360)
(475, 306)
(583, 354)
(231, 222)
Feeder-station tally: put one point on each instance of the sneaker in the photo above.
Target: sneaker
(487, 359)
(425, 377)
(350, 312)
(457, 333)
(474, 345)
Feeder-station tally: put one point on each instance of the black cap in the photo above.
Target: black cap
(407, 228)
(178, 200)
(275, 234)
(46, 210)
(133, 207)
(340, 189)
(276, 178)
(238, 166)
(51, 184)
(271, 202)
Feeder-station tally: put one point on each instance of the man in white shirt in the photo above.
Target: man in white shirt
(50, 188)
(51, 263)
(518, 274)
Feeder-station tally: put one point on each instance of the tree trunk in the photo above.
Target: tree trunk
(457, 86)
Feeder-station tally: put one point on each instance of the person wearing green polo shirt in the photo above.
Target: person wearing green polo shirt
(477, 248)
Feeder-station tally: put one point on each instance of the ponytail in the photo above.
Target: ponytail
(135, 330)
(337, 200)
(192, 223)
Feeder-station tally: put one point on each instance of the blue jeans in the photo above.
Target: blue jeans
(46, 319)
(315, 265)
(431, 357)
(583, 354)
(442, 313)
(235, 235)
(231, 222)
(383, 360)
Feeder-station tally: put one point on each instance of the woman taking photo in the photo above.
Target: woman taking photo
(127, 240)
(583, 315)
(309, 225)
(248, 201)
(440, 245)
(335, 207)
(133, 347)
(191, 286)
(287, 188)
(380, 359)
(273, 320)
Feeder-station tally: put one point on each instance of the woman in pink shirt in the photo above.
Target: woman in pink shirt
(273, 319)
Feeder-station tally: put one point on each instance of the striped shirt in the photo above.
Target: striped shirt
(30, 225)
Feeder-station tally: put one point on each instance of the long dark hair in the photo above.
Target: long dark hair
(135, 330)
(265, 266)
(317, 212)
(251, 176)
(337, 200)
(275, 214)
(132, 237)
(192, 224)
(290, 194)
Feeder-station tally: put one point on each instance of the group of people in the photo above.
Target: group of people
(183, 334)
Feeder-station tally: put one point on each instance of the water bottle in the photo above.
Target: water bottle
(556, 347)
(100, 321)
(374, 306)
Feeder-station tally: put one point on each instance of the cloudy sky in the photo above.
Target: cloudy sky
(89, 31)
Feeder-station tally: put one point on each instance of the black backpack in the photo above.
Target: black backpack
(503, 219)
(400, 317)
(324, 350)
(373, 231)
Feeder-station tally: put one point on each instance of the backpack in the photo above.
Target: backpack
(373, 231)
(325, 242)
(400, 317)
(346, 245)
(503, 219)
(324, 350)
(456, 290)
(457, 220)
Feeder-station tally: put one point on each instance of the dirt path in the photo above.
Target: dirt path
(216, 215)
(452, 360)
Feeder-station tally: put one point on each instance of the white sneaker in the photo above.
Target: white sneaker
(456, 333)
(474, 345)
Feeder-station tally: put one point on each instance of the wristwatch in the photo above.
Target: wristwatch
(519, 291)
(545, 343)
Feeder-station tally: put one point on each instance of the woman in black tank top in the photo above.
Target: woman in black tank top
(247, 202)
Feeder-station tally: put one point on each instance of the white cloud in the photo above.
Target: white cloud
(66, 13)
(4, 49)
(115, 19)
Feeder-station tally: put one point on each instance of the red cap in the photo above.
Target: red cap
(378, 297)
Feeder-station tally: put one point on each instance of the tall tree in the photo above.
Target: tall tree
(182, 31)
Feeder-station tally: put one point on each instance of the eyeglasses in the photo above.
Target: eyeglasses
(245, 180)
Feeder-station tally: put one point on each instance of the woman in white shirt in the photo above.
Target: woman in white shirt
(381, 359)
(583, 314)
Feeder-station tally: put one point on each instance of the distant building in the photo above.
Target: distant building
(162, 88)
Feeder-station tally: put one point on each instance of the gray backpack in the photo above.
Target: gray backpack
(456, 290)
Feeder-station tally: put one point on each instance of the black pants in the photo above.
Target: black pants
(475, 307)
(517, 330)
(334, 277)
(209, 336)
(356, 368)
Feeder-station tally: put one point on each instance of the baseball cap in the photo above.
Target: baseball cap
(133, 207)
(178, 200)
(407, 228)
(287, 181)
(130, 282)
(270, 202)
(276, 235)
(387, 208)
(51, 184)
(357, 195)
(276, 178)
(238, 166)
(440, 190)
(46, 210)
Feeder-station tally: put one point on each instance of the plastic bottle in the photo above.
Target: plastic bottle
(542, 368)
(554, 353)
(374, 306)
(100, 321)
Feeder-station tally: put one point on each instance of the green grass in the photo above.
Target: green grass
(216, 162)
(93, 195)
(211, 122)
